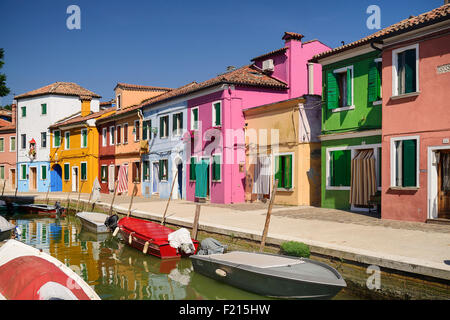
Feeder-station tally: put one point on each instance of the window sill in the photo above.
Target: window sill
(343, 109)
(404, 188)
(332, 188)
(405, 95)
(285, 190)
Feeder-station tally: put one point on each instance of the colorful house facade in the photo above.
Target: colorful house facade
(37, 110)
(74, 151)
(8, 157)
(106, 155)
(282, 143)
(416, 118)
(351, 126)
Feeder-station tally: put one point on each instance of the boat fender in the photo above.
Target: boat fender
(130, 238)
(115, 231)
(221, 273)
(145, 247)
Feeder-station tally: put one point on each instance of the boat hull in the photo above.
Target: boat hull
(39, 209)
(262, 282)
(158, 245)
(93, 221)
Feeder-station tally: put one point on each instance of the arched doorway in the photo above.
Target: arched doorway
(178, 186)
(56, 178)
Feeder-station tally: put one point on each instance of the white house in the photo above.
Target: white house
(36, 111)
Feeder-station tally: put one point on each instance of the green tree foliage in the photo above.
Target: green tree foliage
(4, 90)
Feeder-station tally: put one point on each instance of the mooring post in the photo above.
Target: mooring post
(4, 183)
(114, 196)
(79, 195)
(195, 224)
(131, 200)
(68, 201)
(269, 212)
(15, 193)
(163, 220)
(46, 197)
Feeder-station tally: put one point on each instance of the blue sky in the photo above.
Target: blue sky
(167, 43)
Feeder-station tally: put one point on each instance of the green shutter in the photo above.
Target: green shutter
(349, 87)
(2, 145)
(145, 130)
(410, 70)
(2, 172)
(84, 138)
(44, 108)
(278, 172)
(340, 168)
(195, 113)
(43, 173)
(181, 122)
(332, 91)
(216, 168)
(66, 171)
(287, 171)
(84, 171)
(192, 169)
(217, 114)
(24, 172)
(409, 164)
(379, 75)
(373, 82)
(57, 136)
(24, 112)
(161, 129)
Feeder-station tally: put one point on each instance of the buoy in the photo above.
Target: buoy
(145, 247)
(221, 273)
(115, 231)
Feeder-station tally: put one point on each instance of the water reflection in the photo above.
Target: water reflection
(117, 271)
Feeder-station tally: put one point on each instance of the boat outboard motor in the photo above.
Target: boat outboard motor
(58, 207)
(111, 222)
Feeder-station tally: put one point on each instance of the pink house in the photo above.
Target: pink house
(8, 152)
(416, 118)
(217, 111)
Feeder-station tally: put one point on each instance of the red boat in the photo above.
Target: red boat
(43, 209)
(151, 238)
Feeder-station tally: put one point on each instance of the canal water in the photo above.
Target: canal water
(117, 271)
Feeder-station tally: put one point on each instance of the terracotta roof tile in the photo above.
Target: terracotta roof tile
(79, 119)
(292, 35)
(269, 53)
(436, 15)
(140, 87)
(61, 88)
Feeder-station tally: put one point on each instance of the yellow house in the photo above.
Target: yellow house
(74, 148)
(282, 143)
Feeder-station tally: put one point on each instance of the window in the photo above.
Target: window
(119, 101)
(23, 141)
(177, 124)
(146, 130)
(192, 169)
(43, 139)
(340, 88)
(112, 135)
(404, 162)
(83, 171)
(66, 171)
(23, 172)
(57, 138)
(137, 129)
(340, 168)
(163, 169)
(217, 113)
(2, 172)
(43, 172)
(146, 170)
(216, 168)
(164, 127)
(194, 118)
(374, 85)
(405, 70)
(125, 133)
(24, 112)
(43, 109)
(104, 174)
(2, 144)
(119, 134)
(12, 144)
(104, 137)
(84, 138)
(283, 171)
(67, 140)
(136, 171)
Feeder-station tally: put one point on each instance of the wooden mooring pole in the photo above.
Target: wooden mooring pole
(46, 197)
(4, 184)
(114, 196)
(68, 201)
(195, 224)
(131, 200)
(79, 195)
(163, 220)
(269, 212)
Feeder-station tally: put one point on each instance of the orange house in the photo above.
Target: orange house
(126, 133)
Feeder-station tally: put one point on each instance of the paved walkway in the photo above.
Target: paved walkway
(408, 246)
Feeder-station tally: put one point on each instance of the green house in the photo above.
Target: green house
(351, 127)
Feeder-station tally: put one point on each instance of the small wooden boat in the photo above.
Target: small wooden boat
(151, 238)
(27, 273)
(43, 209)
(93, 221)
(271, 275)
(6, 229)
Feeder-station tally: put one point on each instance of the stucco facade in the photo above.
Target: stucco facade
(8, 147)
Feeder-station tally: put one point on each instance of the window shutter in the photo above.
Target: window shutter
(216, 168)
(379, 75)
(410, 71)
(166, 126)
(288, 171)
(341, 164)
(24, 172)
(66, 171)
(83, 171)
(409, 163)
(332, 91)
(144, 130)
(373, 83)
(181, 122)
(160, 170)
(192, 169)
(349, 87)
(85, 138)
(44, 173)
(161, 129)
(218, 119)
(278, 171)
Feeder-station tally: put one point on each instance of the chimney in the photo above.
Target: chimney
(85, 105)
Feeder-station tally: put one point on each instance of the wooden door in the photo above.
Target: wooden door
(13, 178)
(33, 178)
(444, 185)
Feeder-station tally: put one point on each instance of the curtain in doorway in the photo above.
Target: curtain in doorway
(363, 178)
(445, 171)
(201, 179)
(262, 176)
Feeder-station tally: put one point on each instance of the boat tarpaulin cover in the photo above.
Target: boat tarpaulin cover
(180, 237)
(211, 246)
(5, 224)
